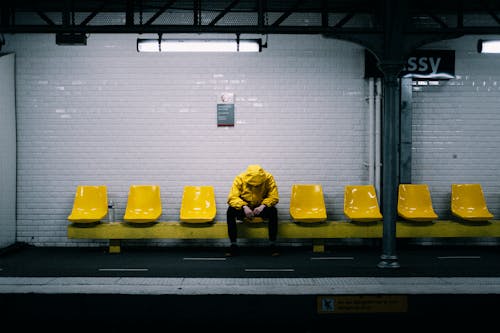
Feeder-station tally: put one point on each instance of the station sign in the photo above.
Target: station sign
(421, 64)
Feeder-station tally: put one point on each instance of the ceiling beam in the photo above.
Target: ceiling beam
(448, 17)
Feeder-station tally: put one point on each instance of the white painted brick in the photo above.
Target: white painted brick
(104, 114)
(108, 115)
(455, 128)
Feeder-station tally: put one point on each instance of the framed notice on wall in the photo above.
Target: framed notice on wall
(225, 110)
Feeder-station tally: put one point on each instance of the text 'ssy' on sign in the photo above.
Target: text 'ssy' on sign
(421, 64)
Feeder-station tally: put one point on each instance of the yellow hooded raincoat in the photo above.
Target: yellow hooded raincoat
(252, 188)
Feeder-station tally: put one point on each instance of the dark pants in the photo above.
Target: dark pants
(269, 213)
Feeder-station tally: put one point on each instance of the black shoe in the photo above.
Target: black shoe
(274, 251)
(232, 251)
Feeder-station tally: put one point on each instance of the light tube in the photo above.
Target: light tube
(488, 46)
(199, 45)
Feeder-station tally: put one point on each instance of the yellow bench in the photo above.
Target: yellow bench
(115, 232)
(447, 229)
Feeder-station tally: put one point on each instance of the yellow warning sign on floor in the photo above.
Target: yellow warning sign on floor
(362, 303)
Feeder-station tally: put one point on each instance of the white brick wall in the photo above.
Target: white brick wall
(105, 114)
(455, 127)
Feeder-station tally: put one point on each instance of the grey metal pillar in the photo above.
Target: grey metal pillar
(405, 131)
(390, 161)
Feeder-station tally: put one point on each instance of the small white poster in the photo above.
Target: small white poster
(225, 109)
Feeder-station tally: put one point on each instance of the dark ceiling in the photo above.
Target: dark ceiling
(250, 16)
(389, 28)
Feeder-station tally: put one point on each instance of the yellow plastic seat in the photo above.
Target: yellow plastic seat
(414, 202)
(361, 204)
(198, 204)
(307, 203)
(90, 204)
(468, 203)
(143, 204)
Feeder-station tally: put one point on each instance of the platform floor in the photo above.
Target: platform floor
(201, 289)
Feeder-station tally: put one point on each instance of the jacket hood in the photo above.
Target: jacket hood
(255, 175)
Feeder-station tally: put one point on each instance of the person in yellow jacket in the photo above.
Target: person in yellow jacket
(254, 194)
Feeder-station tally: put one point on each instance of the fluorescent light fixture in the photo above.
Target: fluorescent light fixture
(199, 45)
(488, 46)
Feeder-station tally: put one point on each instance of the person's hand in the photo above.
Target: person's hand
(258, 210)
(248, 211)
